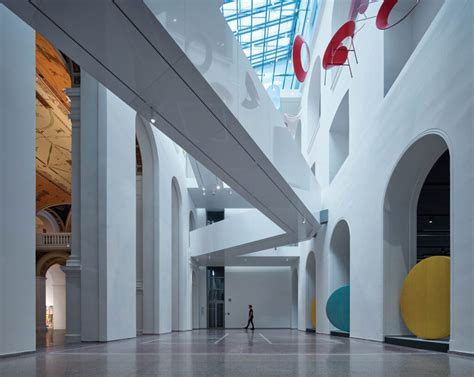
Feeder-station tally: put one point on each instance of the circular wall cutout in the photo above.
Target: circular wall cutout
(425, 298)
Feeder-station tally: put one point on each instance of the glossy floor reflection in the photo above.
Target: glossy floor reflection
(236, 353)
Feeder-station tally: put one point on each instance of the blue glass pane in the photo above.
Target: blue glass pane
(265, 30)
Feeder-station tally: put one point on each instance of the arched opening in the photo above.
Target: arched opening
(340, 14)
(416, 197)
(148, 228)
(176, 252)
(50, 298)
(339, 310)
(314, 102)
(339, 138)
(192, 225)
(46, 223)
(294, 299)
(55, 298)
(401, 40)
(195, 300)
(311, 292)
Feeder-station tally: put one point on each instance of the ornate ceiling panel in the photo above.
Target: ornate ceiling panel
(53, 127)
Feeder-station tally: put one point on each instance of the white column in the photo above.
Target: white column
(139, 260)
(17, 185)
(108, 214)
(73, 264)
(41, 303)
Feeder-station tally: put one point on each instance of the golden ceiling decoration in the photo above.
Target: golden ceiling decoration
(53, 127)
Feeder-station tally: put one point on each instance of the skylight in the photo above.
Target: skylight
(265, 30)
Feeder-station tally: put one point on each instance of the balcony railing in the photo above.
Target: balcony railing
(53, 241)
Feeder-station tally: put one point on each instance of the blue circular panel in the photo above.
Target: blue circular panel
(337, 308)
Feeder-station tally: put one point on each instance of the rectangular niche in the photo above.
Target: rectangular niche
(401, 40)
(339, 138)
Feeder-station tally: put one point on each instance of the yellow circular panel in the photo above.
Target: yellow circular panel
(425, 298)
(313, 313)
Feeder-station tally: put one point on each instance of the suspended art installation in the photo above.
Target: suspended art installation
(337, 53)
(382, 19)
(301, 58)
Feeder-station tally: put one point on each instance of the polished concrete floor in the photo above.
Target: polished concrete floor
(236, 353)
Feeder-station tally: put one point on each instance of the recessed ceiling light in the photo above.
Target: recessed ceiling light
(430, 220)
(153, 120)
(218, 187)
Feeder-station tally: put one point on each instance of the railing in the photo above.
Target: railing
(53, 241)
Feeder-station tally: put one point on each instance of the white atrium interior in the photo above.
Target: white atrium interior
(236, 188)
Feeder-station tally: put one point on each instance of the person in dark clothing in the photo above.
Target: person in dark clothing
(250, 321)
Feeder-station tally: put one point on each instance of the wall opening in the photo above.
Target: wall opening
(401, 40)
(340, 270)
(339, 138)
(314, 102)
(311, 292)
(175, 254)
(409, 206)
(294, 298)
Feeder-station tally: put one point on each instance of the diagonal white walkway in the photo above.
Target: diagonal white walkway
(157, 68)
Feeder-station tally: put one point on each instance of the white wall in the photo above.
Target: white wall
(432, 94)
(163, 161)
(268, 289)
(17, 185)
(108, 213)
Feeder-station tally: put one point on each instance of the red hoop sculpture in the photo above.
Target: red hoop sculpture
(298, 45)
(336, 53)
(384, 12)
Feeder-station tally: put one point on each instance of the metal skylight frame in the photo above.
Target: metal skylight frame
(265, 30)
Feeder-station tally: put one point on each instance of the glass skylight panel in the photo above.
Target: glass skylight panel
(266, 30)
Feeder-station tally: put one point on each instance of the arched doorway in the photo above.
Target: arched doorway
(311, 292)
(55, 298)
(294, 297)
(338, 306)
(408, 210)
(195, 309)
(176, 251)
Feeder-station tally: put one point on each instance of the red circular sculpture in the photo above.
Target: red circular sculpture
(298, 44)
(336, 53)
(384, 12)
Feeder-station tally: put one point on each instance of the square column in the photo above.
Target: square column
(107, 214)
(17, 184)
(73, 264)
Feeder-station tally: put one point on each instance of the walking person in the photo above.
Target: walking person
(250, 320)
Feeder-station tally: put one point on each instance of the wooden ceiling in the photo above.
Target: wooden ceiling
(53, 127)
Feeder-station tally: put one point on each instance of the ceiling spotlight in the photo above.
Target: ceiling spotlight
(153, 120)
(304, 220)
(218, 187)
(203, 189)
(430, 220)
(230, 192)
(204, 193)
(174, 20)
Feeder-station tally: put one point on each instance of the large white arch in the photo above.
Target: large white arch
(150, 230)
(399, 223)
